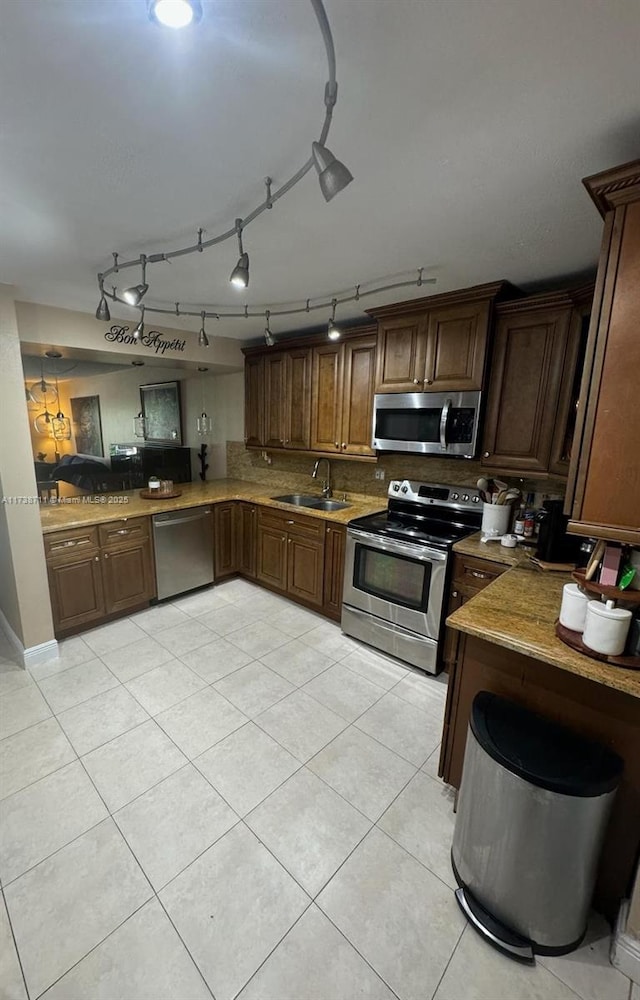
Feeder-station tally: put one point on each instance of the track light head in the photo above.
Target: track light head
(134, 295)
(175, 13)
(102, 312)
(139, 330)
(203, 340)
(240, 274)
(269, 339)
(333, 332)
(332, 174)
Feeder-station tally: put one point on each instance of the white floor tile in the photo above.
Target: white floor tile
(422, 820)
(132, 763)
(136, 659)
(159, 689)
(201, 602)
(588, 970)
(432, 763)
(70, 902)
(479, 972)
(380, 670)
(11, 982)
(42, 818)
(258, 638)
(156, 619)
(254, 688)
(329, 640)
(399, 916)
(344, 692)
(295, 621)
(363, 771)
(13, 678)
(401, 727)
(71, 653)
(315, 962)
(116, 634)
(101, 719)
(424, 692)
(309, 828)
(21, 709)
(229, 618)
(77, 684)
(179, 639)
(237, 591)
(301, 724)
(231, 908)
(143, 959)
(174, 822)
(31, 754)
(200, 721)
(296, 662)
(246, 766)
(215, 660)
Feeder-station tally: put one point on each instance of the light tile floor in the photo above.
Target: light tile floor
(226, 797)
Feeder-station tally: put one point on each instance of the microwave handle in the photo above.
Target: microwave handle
(444, 416)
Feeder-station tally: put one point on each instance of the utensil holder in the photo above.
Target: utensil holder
(495, 519)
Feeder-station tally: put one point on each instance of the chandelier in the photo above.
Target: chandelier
(333, 177)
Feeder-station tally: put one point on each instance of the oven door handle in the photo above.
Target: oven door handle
(395, 629)
(444, 416)
(422, 552)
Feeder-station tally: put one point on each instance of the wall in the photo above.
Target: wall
(24, 591)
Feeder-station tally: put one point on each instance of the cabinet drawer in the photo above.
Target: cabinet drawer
(291, 523)
(124, 530)
(473, 575)
(71, 541)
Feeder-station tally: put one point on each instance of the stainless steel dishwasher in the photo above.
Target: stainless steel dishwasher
(183, 542)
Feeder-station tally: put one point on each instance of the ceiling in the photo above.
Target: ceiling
(467, 125)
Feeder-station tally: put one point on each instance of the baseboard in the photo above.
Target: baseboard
(32, 654)
(625, 950)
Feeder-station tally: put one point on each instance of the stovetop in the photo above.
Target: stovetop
(426, 514)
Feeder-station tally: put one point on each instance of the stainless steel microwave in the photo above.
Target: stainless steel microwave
(427, 423)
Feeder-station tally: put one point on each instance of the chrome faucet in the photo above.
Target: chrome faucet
(326, 483)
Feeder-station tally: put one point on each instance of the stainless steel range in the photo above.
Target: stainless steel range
(396, 568)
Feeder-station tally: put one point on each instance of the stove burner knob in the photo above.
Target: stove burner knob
(404, 489)
(454, 496)
(396, 487)
(475, 499)
(465, 496)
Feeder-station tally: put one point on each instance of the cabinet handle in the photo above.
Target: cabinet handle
(344, 444)
(454, 593)
(122, 531)
(290, 522)
(96, 558)
(480, 576)
(284, 538)
(486, 454)
(416, 381)
(428, 381)
(289, 541)
(337, 444)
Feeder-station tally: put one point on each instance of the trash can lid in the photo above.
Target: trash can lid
(541, 751)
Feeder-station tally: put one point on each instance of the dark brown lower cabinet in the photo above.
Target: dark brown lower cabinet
(291, 555)
(305, 568)
(246, 528)
(225, 537)
(334, 546)
(95, 573)
(272, 557)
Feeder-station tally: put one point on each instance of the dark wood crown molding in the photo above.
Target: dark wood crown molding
(614, 187)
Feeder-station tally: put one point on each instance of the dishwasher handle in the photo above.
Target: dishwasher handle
(164, 521)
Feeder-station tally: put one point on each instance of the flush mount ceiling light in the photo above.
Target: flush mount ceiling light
(333, 177)
(175, 13)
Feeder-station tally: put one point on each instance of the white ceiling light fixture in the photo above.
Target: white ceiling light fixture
(333, 330)
(175, 13)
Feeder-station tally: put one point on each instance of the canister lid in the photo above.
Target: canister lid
(541, 751)
(608, 611)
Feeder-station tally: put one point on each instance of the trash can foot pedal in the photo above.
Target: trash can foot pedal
(493, 931)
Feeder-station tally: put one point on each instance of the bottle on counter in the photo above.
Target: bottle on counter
(518, 526)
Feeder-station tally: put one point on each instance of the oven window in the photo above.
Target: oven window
(394, 578)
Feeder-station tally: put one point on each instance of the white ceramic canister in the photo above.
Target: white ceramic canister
(574, 607)
(606, 628)
(495, 519)
(154, 483)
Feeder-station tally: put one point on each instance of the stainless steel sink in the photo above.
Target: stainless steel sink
(308, 500)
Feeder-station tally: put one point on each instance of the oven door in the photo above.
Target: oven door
(427, 423)
(399, 582)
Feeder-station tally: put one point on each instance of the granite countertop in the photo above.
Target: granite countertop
(519, 610)
(75, 512)
(493, 551)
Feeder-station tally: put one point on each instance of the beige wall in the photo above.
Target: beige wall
(24, 592)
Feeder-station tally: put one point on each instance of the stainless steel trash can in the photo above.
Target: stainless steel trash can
(532, 811)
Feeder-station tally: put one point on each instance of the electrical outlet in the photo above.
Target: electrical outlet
(378, 474)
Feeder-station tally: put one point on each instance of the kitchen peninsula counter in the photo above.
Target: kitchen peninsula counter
(77, 512)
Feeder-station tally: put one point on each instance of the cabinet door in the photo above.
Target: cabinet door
(254, 401)
(272, 557)
(298, 399)
(524, 388)
(335, 540)
(401, 354)
(128, 577)
(246, 520)
(565, 425)
(305, 568)
(77, 594)
(224, 540)
(357, 399)
(274, 400)
(456, 347)
(326, 397)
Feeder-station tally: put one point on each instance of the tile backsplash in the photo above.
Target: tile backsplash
(293, 473)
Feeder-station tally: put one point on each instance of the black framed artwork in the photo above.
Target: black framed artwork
(87, 426)
(161, 408)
